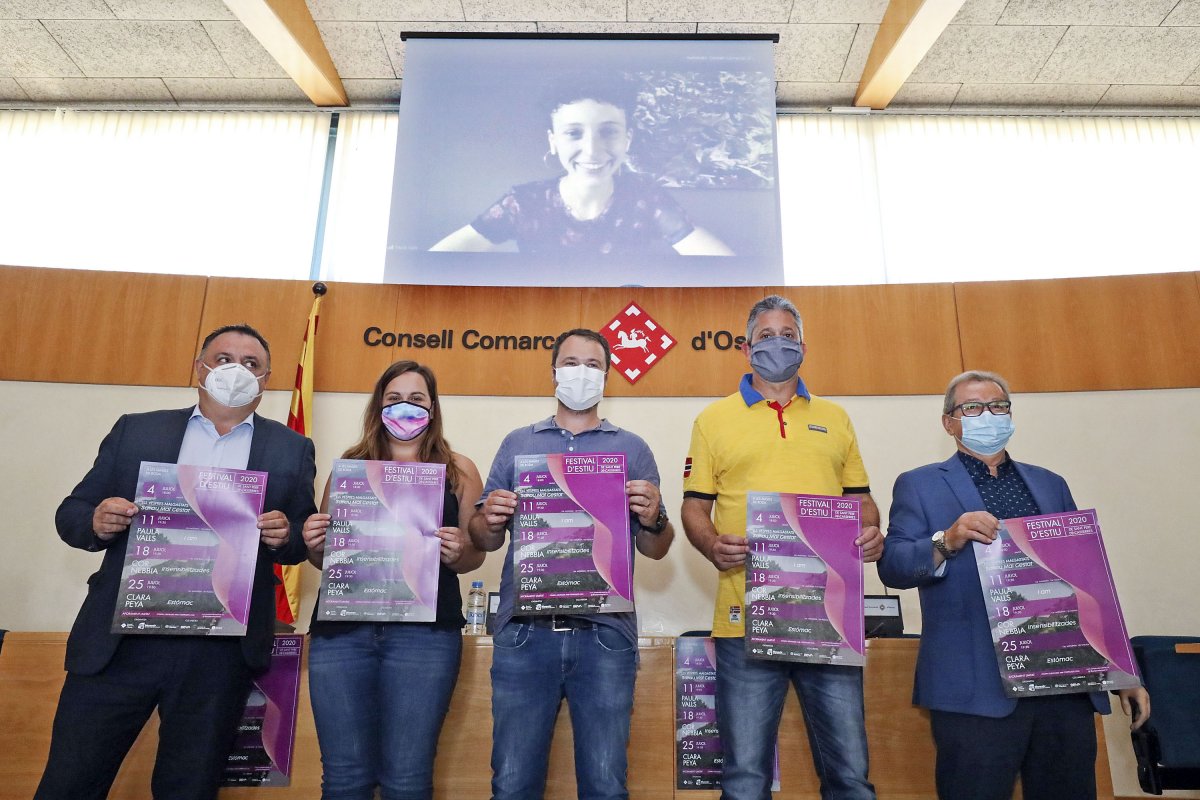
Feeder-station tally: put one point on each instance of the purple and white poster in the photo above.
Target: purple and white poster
(804, 579)
(1056, 622)
(698, 753)
(698, 757)
(192, 551)
(382, 553)
(573, 552)
(266, 737)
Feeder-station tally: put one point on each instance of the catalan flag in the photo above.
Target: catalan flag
(287, 592)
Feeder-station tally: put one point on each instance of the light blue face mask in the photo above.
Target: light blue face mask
(988, 433)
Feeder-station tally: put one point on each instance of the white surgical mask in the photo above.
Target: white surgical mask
(232, 385)
(988, 433)
(580, 387)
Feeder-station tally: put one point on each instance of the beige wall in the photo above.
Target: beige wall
(1129, 454)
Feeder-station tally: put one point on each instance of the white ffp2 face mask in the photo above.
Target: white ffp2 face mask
(232, 385)
(580, 387)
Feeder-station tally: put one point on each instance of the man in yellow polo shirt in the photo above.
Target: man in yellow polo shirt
(772, 435)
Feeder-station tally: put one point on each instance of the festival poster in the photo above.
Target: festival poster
(804, 579)
(573, 553)
(382, 553)
(1056, 623)
(698, 754)
(192, 551)
(266, 737)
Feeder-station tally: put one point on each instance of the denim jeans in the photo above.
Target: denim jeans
(750, 695)
(533, 668)
(380, 693)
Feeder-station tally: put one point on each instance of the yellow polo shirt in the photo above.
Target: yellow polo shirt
(744, 443)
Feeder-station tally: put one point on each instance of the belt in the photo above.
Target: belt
(559, 622)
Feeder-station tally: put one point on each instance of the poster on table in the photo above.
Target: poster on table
(266, 735)
(1056, 622)
(804, 579)
(698, 753)
(382, 553)
(191, 552)
(573, 553)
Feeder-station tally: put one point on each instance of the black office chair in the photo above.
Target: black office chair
(1168, 745)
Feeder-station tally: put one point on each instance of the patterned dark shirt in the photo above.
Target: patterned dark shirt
(1005, 496)
(642, 217)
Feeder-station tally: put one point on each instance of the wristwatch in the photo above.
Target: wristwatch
(939, 541)
(660, 522)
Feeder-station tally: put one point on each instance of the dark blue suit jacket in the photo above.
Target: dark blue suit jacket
(285, 455)
(956, 663)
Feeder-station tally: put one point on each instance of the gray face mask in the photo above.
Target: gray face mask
(776, 359)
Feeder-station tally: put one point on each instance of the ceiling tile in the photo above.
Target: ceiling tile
(797, 94)
(987, 54)
(806, 53)
(54, 9)
(925, 95)
(30, 51)
(357, 49)
(242, 53)
(11, 90)
(390, 31)
(171, 9)
(224, 91)
(1086, 12)
(1186, 13)
(616, 27)
(1151, 96)
(979, 12)
(860, 50)
(1153, 56)
(372, 91)
(1032, 96)
(389, 10)
(140, 49)
(710, 10)
(838, 10)
(123, 91)
(558, 10)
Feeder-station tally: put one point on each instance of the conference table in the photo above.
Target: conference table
(900, 743)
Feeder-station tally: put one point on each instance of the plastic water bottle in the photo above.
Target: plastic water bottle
(476, 609)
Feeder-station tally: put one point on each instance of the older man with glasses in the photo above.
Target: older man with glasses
(984, 739)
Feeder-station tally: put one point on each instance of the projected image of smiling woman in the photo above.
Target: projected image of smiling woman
(596, 205)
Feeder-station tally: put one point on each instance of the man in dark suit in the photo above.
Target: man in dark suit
(984, 739)
(197, 683)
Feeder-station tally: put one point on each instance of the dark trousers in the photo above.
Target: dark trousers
(199, 686)
(1049, 741)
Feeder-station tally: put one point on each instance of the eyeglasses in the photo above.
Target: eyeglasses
(974, 409)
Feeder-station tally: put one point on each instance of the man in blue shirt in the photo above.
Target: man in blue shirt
(984, 738)
(590, 659)
(197, 683)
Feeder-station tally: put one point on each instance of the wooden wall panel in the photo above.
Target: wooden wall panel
(277, 309)
(79, 326)
(343, 362)
(1085, 334)
(895, 339)
(687, 314)
(489, 312)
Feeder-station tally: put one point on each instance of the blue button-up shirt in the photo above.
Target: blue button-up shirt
(546, 437)
(204, 447)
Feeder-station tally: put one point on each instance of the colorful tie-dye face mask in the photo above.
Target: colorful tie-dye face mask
(405, 421)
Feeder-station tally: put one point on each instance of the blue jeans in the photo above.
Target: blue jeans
(533, 668)
(750, 695)
(380, 693)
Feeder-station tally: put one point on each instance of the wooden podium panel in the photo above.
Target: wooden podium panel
(79, 326)
(898, 735)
